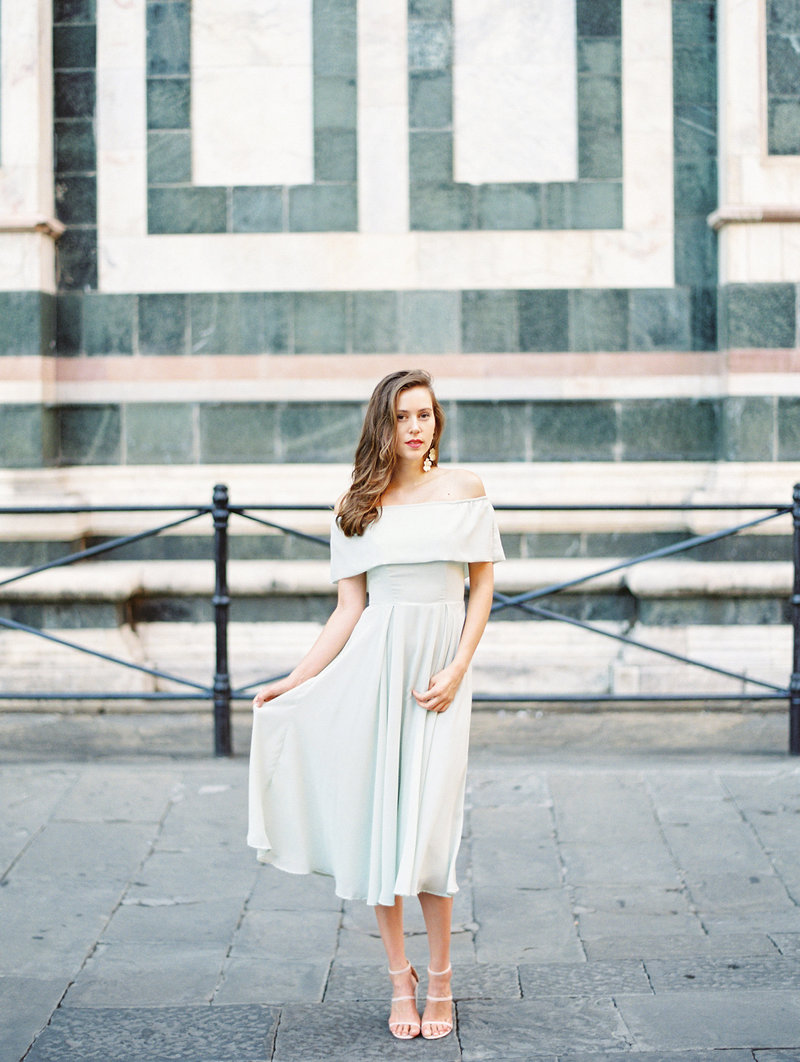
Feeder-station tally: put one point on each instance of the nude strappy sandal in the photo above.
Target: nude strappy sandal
(414, 1026)
(438, 999)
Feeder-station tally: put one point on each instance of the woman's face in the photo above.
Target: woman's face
(416, 424)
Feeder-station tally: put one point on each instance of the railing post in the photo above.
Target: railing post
(794, 685)
(221, 602)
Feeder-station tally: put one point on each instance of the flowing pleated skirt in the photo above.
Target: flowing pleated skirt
(348, 775)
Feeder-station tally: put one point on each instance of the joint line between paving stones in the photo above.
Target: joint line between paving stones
(570, 889)
(244, 909)
(685, 887)
(757, 837)
(274, 1044)
(339, 928)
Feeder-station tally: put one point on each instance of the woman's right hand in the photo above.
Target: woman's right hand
(269, 693)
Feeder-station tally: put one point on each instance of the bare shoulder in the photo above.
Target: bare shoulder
(458, 484)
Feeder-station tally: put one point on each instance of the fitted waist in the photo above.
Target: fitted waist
(434, 582)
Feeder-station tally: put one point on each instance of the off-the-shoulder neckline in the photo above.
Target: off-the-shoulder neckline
(441, 501)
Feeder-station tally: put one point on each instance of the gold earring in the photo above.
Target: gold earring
(430, 460)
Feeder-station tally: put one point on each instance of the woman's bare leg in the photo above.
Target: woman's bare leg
(438, 914)
(390, 924)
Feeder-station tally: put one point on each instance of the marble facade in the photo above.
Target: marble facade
(252, 210)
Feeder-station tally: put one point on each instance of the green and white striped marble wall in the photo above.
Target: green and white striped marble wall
(267, 205)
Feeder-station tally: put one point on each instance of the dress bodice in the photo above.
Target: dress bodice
(464, 530)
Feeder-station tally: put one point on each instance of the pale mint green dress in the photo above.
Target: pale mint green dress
(348, 775)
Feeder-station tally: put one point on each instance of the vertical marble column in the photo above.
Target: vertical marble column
(28, 229)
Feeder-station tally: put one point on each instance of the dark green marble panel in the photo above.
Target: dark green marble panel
(430, 99)
(435, 9)
(182, 210)
(239, 323)
(695, 252)
(74, 11)
(323, 208)
(759, 315)
(600, 56)
(259, 208)
(69, 324)
(335, 103)
(264, 322)
(564, 431)
(595, 205)
(319, 431)
(490, 321)
(159, 433)
(27, 437)
(74, 47)
(109, 322)
(168, 103)
(169, 157)
(695, 186)
(783, 66)
(76, 199)
(493, 431)
(430, 45)
(695, 20)
(76, 259)
(27, 322)
(509, 206)
(89, 435)
(660, 319)
(441, 207)
(430, 157)
(749, 428)
(429, 322)
(242, 432)
(163, 321)
(784, 127)
(703, 309)
(598, 319)
(695, 73)
(788, 427)
(783, 16)
(678, 429)
(600, 156)
(334, 38)
(74, 94)
(75, 145)
(214, 323)
(375, 322)
(599, 18)
(695, 130)
(320, 323)
(335, 155)
(543, 320)
(168, 38)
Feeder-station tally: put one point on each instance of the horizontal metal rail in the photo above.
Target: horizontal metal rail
(222, 694)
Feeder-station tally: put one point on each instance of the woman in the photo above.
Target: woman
(358, 757)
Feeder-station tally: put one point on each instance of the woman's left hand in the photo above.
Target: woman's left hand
(441, 690)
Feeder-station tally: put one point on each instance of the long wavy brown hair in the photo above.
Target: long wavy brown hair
(375, 454)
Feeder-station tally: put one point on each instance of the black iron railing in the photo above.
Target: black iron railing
(221, 692)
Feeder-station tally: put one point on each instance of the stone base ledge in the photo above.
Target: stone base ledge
(120, 581)
(512, 483)
(538, 659)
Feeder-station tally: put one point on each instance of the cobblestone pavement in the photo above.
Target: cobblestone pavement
(629, 893)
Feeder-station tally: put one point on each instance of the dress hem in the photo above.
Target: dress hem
(263, 857)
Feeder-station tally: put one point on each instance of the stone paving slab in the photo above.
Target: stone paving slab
(137, 924)
(158, 1034)
(558, 1024)
(705, 1018)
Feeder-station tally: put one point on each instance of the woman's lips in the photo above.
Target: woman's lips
(416, 443)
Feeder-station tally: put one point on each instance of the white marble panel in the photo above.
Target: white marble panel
(384, 254)
(27, 262)
(647, 146)
(252, 97)
(121, 118)
(382, 116)
(760, 254)
(514, 91)
(26, 158)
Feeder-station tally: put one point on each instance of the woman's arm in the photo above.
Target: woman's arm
(443, 686)
(332, 638)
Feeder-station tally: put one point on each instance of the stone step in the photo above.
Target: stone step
(543, 659)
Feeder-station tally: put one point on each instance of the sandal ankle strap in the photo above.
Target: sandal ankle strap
(406, 969)
(440, 973)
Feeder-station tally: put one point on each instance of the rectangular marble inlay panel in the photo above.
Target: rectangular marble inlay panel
(514, 91)
(252, 92)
